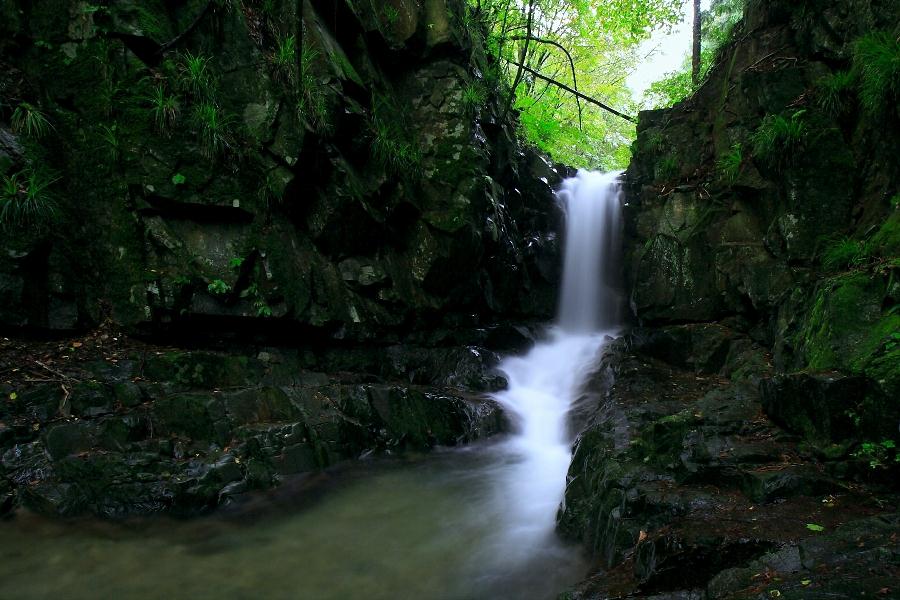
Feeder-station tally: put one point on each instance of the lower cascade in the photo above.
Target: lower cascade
(544, 384)
(466, 523)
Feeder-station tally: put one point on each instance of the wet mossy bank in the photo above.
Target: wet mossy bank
(744, 439)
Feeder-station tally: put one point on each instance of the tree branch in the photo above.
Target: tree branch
(571, 64)
(522, 56)
(574, 92)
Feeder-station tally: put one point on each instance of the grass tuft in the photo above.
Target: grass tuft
(195, 75)
(780, 140)
(834, 93)
(731, 164)
(876, 58)
(25, 199)
(28, 120)
(164, 107)
(213, 127)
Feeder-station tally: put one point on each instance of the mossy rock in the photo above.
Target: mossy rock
(847, 328)
(204, 370)
(199, 417)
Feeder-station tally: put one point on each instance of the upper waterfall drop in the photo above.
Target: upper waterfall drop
(589, 300)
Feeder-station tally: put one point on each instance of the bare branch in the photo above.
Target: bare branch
(571, 91)
(571, 64)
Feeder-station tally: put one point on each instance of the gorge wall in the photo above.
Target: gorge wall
(315, 215)
(758, 389)
(217, 166)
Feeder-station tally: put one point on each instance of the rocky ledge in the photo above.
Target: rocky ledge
(684, 486)
(107, 425)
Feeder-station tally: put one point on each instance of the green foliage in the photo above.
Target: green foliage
(27, 119)
(876, 59)
(213, 127)
(391, 150)
(392, 147)
(218, 287)
(667, 168)
(284, 60)
(164, 107)
(879, 455)
(260, 306)
(195, 76)
(110, 136)
(834, 92)
(886, 241)
(845, 252)
(603, 51)
(25, 199)
(312, 102)
(671, 89)
(236, 262)
(391, 14)
(178, 179)
(730, 164)
(474, 96)
(815, 527)
(717, 25)
(780, 140)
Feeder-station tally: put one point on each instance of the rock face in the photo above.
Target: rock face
(747, 426)
(725, 224)
(768, 202)
(682, 486)
(324, 169)
(165, 430)
(330, 182)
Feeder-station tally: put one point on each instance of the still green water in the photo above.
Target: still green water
(436, 527)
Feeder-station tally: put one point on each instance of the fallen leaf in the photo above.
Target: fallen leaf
(77, 344)
(814, 527)
(642, 536)
(805, 581)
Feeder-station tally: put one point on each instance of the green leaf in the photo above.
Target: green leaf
(814, 527)
(178, 179)
(13, 396)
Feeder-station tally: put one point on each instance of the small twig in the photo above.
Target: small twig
(54, 371)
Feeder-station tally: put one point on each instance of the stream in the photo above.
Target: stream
(460, 524)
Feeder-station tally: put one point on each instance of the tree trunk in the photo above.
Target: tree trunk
(695, 62)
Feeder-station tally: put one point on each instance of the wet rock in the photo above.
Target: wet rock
(824, 407)
(679, 476)
(69, 438)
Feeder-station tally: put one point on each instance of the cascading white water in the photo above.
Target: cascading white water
(544, 383)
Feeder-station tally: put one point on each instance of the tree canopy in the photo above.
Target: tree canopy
(588, 45)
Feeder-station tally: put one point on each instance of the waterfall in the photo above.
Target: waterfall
(544, 383)
(589, 300)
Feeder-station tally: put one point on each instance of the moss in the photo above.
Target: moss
(846, 329)
(886, 241)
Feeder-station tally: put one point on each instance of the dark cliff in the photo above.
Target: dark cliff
(757, 391)
(219, 167)
(326, 197)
